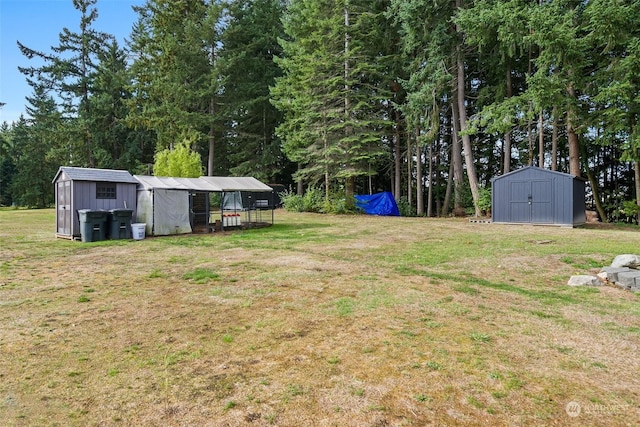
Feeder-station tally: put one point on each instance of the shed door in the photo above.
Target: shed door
(64, 208)
(531, 201)
(541, 206)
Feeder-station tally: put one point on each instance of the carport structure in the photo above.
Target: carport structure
(170, 205)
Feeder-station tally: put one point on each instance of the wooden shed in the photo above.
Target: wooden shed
(88, 188)
(533, 195)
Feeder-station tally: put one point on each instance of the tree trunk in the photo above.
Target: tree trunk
(350, 191)
(554, 141)
(430, 190)
(419, 180)
(447, 193)
(529, 134)
(456, 159)
(636, 167)
(506, 167)
(541, 141)
(212, 113)
(466, 139)
(212, 137)
(409, 172)
(398, 159)
(300, 185)
(596, 196)
(572, 135)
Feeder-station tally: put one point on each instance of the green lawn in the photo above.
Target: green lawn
(317, 320)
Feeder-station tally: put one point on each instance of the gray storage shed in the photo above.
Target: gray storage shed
(533, 195)
(88, 188)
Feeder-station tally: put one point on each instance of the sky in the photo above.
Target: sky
(37, 24)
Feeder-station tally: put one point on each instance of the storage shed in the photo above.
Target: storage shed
(533, 195)
(184, 205)
(88, 188)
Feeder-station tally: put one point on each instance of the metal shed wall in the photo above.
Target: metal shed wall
(538, 196)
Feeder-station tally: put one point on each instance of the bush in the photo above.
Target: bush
(291, 201)
(314, 200)
(484, 202)
(405, 208)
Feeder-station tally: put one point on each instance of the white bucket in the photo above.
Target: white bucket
(137, 230)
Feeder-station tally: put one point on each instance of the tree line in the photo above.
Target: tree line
(429, 99)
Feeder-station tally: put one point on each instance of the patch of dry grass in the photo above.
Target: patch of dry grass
(319, 320)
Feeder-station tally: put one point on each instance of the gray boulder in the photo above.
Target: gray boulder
(626, 260)
(629, 280)
(584, 280)
(610, 274)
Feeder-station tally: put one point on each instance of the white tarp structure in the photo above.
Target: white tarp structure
(164, 204)
(164, 211)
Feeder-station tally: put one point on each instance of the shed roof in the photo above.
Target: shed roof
(538, 169)
(91, 174)
(148, 182)
(209, 183)
(237, 183)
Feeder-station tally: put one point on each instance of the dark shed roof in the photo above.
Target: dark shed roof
(536, 169)
(90, 174)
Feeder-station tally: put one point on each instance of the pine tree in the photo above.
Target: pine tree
(68, 72)
(250, 43)
(37, 151)
(328, 93)
(176, 79)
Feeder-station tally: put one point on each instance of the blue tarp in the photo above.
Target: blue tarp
(378, 204)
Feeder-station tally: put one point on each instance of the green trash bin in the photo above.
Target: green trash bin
(93, 225)
(120, 223)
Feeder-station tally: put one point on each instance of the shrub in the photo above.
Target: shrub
(313, 200)
(291, 201)
(484, 202)
(405, 208)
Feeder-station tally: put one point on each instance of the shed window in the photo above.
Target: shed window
(105, 190)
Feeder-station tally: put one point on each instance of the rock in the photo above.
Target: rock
(584, 280)
(610, 274)
(626, 260)
(629, 280)
(592, 216)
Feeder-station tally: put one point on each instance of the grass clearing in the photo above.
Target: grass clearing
(318, 320)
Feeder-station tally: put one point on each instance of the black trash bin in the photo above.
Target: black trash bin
(93, 225)
(120, 223)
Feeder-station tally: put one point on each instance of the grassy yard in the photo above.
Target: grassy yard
(317, 321)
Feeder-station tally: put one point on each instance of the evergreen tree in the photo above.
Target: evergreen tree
(327, 93)
(175, 74)
(250, 43)
(117, 145)
(7, 165)
(36, 152)
(69, 73)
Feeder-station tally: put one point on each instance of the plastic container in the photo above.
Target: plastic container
(138, 230)
(120, 223)
(93, 225)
